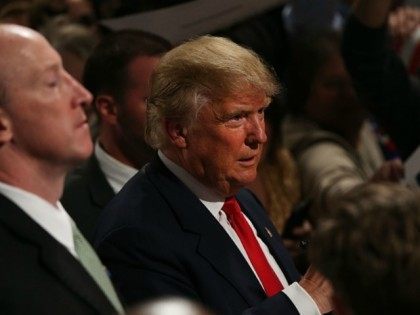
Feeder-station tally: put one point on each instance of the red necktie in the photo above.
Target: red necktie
(268, 278)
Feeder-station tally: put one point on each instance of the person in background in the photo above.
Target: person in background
(47, 266)
(117, 74)
(328, 129)
(16, 12)
(184, 225)
(380, 78)
(369, 248)
(74, 42)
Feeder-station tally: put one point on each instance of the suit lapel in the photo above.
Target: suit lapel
(54, 256)
(100, 190)
(214, 244)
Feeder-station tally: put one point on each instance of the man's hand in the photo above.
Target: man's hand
(318, 288)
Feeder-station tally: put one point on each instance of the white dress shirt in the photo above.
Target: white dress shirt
(116, 172)
(214, 203)
(52, 218)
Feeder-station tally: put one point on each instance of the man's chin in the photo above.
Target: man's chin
(81, 157)
(245, 179)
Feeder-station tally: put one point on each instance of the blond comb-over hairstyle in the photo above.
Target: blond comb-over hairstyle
(202, 71)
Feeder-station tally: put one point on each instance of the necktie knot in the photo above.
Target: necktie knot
(231, 207)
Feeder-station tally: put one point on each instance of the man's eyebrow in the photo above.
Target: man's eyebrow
(52, 67)
(229, 115)
(236, 113)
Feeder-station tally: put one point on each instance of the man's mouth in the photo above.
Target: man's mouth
(249, 161)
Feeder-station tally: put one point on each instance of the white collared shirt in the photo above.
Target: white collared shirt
(116, 172)
(214, 203)
(52, 218)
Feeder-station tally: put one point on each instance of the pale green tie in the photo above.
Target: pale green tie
(94, 267)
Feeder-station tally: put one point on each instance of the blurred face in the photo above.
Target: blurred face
(224, 144)
(132, 110)
(332, 99)
(45, 104)
(79, 8)
(73, 64)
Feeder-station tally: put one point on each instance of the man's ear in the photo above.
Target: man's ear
(106, 108)
(6, 131)
(177, 133)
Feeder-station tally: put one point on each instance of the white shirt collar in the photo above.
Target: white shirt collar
(52, 218)
(211, 200)
(116, 172)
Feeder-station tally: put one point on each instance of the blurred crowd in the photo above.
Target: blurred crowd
(346, 118)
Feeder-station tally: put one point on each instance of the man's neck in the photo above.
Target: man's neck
(222, 188)
(198, 188)
(45, 182)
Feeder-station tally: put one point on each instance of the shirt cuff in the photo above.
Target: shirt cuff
(301, 300)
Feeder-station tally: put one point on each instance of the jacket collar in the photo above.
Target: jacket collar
(99, 188)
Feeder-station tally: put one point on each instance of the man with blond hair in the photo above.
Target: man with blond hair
(184, 225)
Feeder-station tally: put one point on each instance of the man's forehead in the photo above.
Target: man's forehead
(235, 104)
(29, 51)
(16, 31)
(13, 38)
(251, 99)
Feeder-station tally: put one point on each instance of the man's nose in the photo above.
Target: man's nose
(256, 131)
(82, 97)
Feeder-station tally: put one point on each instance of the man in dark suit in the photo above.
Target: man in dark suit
(117, 74)
(183, 225)
(46, 266)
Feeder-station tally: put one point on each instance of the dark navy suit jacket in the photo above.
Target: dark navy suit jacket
(158, 239)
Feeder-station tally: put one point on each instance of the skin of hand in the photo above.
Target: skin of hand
(392, 171)
(319, 288)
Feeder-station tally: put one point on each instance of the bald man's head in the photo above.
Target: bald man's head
(16, 51)
(38, 96)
